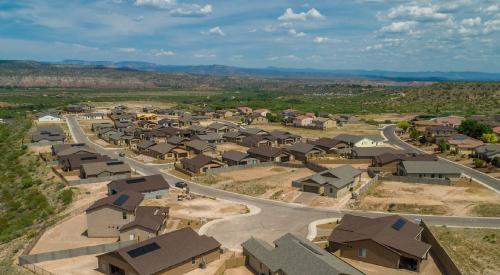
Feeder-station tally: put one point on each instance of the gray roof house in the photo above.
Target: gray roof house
(105, 169)
(293, 255)
(334, 182)
(304, 151)
(152, 186)
(199, 147)
(361, 140)
(429, 169)
(234, 157)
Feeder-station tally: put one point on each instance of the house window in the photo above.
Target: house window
(362, 252)
(124, 215)
(193, 260)
(331, 189)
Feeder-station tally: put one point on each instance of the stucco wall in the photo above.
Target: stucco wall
(106, 222)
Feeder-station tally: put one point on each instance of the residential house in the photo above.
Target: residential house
(428, 169)
(293, 254)
(198, 130)
(121, 125)
(168, 122)
(234, 157)
(200, 147)
(178, 141)
(388, 162)
(302, 121)
(437, 133)
(256, 119)
(166, 151)
(148, 124)
(93, 116)
(347, 119)
(49, 135)
(289, 113)
(389, 241)
(323, 123)
(258, 140)
(488, 152)
(74, 162)
(210, 138)
(268, 153)
(253, 131)
(146, 116)
(223, 114)
(96, 126)
(80, 108)
(262, 112)
(284, 138)
(219, 127)
(420, 125)
(245, 110)
(463, 145)
(104, 169)
(235, 137)
(372, 152)
(450, 121)
(335, 183)
(149, 222)
(360, 141)
(57, 148)
(106, 216)
(47, 117)
(304, 151)
(200, 164)
(329, 145)
(143, 145)
(176, 252)
(153, 186)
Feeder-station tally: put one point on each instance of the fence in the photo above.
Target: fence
(315, 166)
(88, 180)
(410, 179)
(233, 262)
(37, 270)
(439, 255)
(367, 185)
(342, 161)
(70, 253)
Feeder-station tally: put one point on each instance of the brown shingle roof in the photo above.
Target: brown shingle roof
(266, 151)
(386, 158)
(113, 166)
(194, 164)
(128, 202)
(234, 155)
(170, 249)
(139, 184)
(382, 231)
(150, 218)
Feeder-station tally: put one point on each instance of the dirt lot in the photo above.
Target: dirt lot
(462, 199)
(356, 129)
(83, 265)
(474, 250)
(389, 116)
(231, 146)
(69, 234)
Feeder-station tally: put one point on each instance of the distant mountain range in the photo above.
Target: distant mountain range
(222, 70)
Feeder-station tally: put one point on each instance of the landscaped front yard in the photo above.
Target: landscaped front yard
(463, 199)
(474, 250)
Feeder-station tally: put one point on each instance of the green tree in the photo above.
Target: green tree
(403, 125)
(473, 128)
(414, 133)
(443, 145)
(489, 138)
(478, 163)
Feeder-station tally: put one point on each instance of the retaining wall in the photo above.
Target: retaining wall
(438, 253)
(416, 180)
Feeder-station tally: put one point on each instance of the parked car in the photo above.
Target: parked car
(181, 184)
(121, 154)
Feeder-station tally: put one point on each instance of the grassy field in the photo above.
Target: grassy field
(475, 251)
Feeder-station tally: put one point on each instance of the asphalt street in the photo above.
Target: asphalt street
(275, 218)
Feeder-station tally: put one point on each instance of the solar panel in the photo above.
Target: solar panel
(399, 224)
(88, 158)
(136, 252)
(115, 162)
(137, 180)
(120, 200)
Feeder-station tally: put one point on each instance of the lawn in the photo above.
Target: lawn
(474, 251)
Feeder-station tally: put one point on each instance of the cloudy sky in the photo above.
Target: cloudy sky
(423, 35)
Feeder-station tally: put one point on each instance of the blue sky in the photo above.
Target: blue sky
(423, 35)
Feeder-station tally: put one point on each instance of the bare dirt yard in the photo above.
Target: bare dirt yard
(388, 116)
(231, 146)
(83, 265)
(356, 129)
(474, 250)
(461, 199)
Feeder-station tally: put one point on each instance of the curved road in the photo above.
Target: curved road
(491, 182)
(275, 218)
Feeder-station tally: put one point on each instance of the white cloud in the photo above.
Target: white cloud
(471, 22)
(125, 50)
(374, 47)
(491, 9)
(202, 55)
(177, 9)
(417, 13)
(237, 56)
(491, 26)
(290, 15)
(285, 57)
(295, 33)
(269, 28)
(163, 52)
(399, 27)
(320, 39)
(214, 31)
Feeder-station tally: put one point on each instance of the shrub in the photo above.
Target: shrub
(478, 163)
(66, 196)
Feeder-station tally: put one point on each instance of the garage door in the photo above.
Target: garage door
(312, 189)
